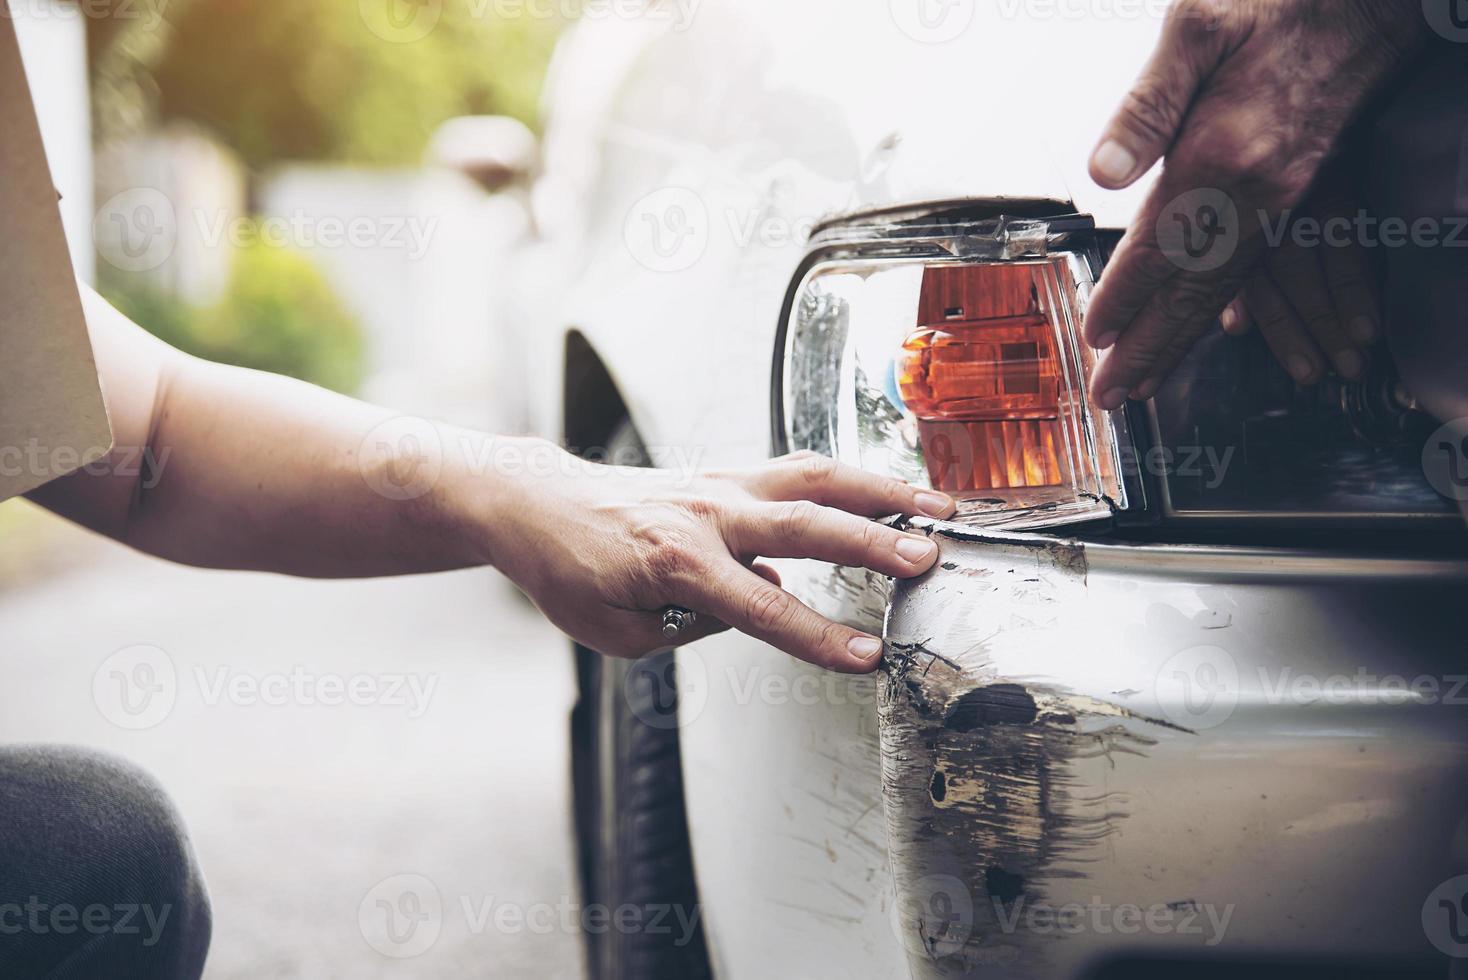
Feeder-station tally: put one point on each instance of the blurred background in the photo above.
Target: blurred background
(328, 189)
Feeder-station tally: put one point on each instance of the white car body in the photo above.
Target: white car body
(689, 153)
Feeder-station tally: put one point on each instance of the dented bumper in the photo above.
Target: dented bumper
(1093, 753)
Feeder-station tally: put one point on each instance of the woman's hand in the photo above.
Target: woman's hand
(269, 473)
(602, 549)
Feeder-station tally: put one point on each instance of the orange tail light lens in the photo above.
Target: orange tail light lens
(963, 374)
(982, 375)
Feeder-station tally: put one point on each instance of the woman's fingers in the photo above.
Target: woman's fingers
(735, 595)
(767, 573)
(801, 529)
(811, 476)
(1283, 331)
(630, 634)
(633, 633)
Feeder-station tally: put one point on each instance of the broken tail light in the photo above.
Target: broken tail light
(951, 357)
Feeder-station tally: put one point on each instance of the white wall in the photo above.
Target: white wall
(424, 276)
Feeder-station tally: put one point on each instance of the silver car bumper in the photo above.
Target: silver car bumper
(1095, 752)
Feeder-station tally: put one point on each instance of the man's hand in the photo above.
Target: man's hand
(1246, 100)
(1313, 297)
(601, 549)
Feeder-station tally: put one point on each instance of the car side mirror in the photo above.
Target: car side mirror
(496, 152)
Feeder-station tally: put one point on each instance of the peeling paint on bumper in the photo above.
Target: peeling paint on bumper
(1094, 751)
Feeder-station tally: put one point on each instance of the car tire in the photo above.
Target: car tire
(631, 825)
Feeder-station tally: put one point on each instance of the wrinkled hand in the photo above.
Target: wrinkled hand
(603, 549)
(1313, 296)
(1246, 99)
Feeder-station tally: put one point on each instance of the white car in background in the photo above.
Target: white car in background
(1142, 719)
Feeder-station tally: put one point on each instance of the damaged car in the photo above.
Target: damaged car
(1184, 695)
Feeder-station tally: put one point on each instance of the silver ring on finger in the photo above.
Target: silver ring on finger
(677, 621)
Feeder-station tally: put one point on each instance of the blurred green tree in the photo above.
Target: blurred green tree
(322, 80)
(278, 314)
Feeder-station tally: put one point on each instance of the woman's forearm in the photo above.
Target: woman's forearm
(269, 473)
(229, 468)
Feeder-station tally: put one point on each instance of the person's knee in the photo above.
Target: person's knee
(113, 865)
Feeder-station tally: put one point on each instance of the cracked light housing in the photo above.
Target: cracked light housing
(967, 376)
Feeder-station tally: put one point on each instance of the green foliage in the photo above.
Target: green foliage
(309, 80)
(278, 314)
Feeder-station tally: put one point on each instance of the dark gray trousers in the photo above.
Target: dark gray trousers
(98, 880)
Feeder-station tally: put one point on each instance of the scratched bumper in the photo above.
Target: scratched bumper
(1094, 753)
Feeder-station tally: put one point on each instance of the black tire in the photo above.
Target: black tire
(631, 825)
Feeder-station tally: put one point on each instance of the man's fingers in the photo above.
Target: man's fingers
(1137, 271)
(1236, 319)
(1297, 272)
(735, 595)
(1283, 331)
(801, 529)
(1350, 278)
(1159, 337)
(1153, 111)
(811, 476)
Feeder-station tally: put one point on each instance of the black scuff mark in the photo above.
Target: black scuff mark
(1002, 885)
(996, 765)
(993, 704)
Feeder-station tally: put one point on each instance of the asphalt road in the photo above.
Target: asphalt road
(342, 752)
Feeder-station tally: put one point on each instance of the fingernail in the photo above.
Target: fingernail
(864, 648)
(1114, 399)
(933, 504)
(1363, 329)
(1229, 320)
(915, 550)
(1107, 340)
(1300, 368)
(1350, 364)
(1114, 162)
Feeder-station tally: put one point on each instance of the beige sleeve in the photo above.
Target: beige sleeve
(52, 417)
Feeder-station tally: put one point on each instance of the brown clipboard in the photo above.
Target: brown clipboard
(52, 417)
